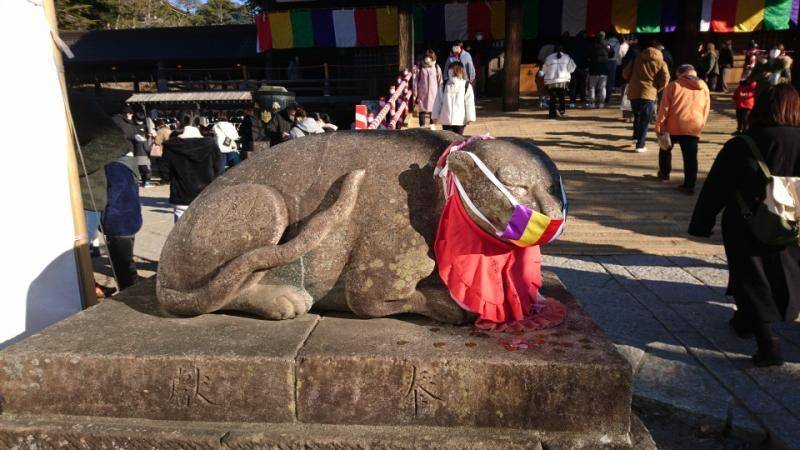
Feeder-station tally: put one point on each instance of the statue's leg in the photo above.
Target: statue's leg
(271, 281)
(430, 302)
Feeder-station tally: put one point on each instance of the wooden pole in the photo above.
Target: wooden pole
(513, 56)
(83, 259)
(405, 24)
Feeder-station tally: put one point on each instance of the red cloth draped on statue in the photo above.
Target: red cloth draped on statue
(497, 280)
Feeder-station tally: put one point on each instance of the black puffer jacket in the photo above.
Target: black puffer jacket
(193, 164)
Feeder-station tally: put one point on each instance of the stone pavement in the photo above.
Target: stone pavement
(626, 257)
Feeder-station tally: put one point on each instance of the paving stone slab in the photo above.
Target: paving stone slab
(352, 371)
(125, 358)
(670, 380)
(23, 432)
(744, 426)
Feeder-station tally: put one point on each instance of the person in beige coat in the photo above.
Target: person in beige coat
(647, 75)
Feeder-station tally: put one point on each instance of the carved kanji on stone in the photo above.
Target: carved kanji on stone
(187, 388)
(422, 392)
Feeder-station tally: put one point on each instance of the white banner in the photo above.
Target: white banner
(40, 277)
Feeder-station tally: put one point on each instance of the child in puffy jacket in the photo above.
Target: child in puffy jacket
(744, 97)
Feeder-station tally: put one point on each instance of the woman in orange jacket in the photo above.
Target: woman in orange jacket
(682, 114)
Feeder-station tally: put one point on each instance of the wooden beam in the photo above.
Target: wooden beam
(405, 45)
(513, 57)
(83, 259)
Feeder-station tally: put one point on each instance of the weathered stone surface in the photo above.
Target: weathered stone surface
(341, 212)
(385, 371)
(125, 358)
(128, 363)
(71, 432)
(695, 394)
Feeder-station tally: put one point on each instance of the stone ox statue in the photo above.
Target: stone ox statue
(341, 221)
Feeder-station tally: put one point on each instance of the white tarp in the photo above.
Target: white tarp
(39, 277)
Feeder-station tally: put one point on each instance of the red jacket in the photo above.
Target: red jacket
(745, 96)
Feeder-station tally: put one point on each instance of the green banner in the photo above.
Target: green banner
(530, 19)
(648, 16)
(777, 14)
(302, 30)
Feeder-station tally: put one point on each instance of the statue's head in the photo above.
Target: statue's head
(520, 168)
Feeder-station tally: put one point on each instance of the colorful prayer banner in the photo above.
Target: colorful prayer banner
(366, 27)
(777, 14)
(669, 16)
(498, 19)
(479, 19)
(530, 19)
(749, 15)
(455, 21)
(573, 16)
(550, 17)
(623, 15)
(344, 25)
(742, 16)
(598, 16)
(648, 16)
(281, 27)
(263, 33)
(705, 15)
(324, 34)
(437, 22)
(302, 30)
(387, 26)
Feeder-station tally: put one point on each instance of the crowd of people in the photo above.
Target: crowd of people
(189, 150)
(185, 149)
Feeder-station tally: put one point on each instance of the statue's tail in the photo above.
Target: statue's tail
(237, 274)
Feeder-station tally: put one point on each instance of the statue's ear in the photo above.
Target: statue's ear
(462, 165)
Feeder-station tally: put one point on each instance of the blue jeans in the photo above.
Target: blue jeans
(642, 112)
(227, 160)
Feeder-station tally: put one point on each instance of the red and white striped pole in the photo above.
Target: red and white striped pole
(361, 117)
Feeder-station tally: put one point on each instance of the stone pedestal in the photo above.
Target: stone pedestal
(126, 373)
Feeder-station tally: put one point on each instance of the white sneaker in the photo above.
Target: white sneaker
(641, 150)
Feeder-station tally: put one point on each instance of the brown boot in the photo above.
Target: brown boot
(769, 352)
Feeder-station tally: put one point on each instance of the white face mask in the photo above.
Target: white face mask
(129, 116)
(428, 60)
(774, 53)
(456, 49)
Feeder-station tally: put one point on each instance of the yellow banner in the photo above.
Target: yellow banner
(387, 25)
(498, 19)
(623, 16)
(749, 15)
(280, 24)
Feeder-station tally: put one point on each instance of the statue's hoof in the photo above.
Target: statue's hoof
(276, 302)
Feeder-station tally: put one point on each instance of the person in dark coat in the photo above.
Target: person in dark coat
(193, 161)
(277, 130)
(122, 218)
(725, 64)
(764, 280)
(100, 142)
(141, 147)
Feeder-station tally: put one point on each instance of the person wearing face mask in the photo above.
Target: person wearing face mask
(771, 69)
(454, 106)
(277, 130)
(427, 82)
(459, 55)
